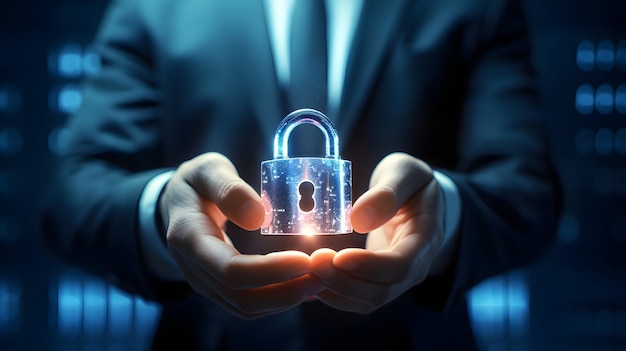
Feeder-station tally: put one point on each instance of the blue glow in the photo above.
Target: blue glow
(604, 99)
(10, 306)
(70, 304)
(69, 62)
(497, 303)
(69, 99)
(95, 307)
(604, 141)
(585, 56)
(120, 313)
(584, 99)
(605, 58)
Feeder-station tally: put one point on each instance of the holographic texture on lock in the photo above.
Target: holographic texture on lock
(306, 195)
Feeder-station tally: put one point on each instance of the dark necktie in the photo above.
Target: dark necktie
(308, 85)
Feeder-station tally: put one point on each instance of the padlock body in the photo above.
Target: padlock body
(293, 208)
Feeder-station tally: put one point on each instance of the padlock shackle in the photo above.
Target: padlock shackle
(314, 117)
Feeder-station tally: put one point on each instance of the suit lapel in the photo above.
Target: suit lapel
(378, 24)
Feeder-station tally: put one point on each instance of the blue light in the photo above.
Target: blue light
(69, 99)
(584, 99)
(605, 58)
(120, 313)
(69, 62)
(585, 56)
(95, 307)
(604, 99)
(10, 307)
(604, 141)
(70, 304)
(497, 303)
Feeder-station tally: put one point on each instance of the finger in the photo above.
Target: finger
(388, 267)
(394, 180)
(255, 303)
(194, 238)
(322, 264)
(251, 271)
(354, 289)
(216, 179)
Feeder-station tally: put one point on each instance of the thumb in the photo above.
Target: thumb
(215, 178)
(395, 179)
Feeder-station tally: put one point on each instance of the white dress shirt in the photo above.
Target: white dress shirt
(342, 20)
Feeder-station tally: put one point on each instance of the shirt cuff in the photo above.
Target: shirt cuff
(451, 220)
(156, 255)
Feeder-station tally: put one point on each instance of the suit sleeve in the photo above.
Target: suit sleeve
(112, 152)
(509, 191)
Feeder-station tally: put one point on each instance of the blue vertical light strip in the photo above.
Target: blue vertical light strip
(94, 308)
(499, 309)
(120, 313)
(487, 309)
(604, 99)
(70, 306)
(584, 99)
(518, 303)
(605, 55)
(585, 56)
(10, 306)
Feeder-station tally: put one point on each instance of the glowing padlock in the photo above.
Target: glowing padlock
(306, 195)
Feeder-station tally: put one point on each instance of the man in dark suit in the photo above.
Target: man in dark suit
(165, 152)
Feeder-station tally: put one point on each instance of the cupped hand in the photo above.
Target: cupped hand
(202, 195)
(403, 213)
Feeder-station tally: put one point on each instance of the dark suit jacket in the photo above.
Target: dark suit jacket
(448, 81)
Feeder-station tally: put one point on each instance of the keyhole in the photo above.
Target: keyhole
(306, 190)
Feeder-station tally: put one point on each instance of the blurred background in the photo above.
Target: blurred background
(573, 299)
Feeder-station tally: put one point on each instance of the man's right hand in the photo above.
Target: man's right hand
(203, 194)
